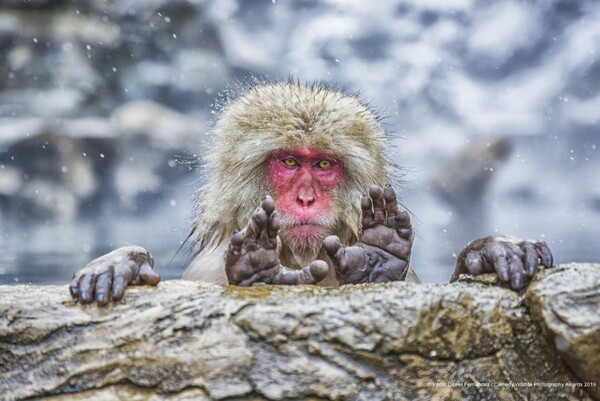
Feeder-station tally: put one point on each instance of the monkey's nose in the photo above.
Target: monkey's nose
(305, 200)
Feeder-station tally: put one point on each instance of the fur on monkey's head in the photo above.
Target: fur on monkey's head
(278, 116)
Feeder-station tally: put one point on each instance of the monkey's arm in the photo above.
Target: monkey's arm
(252, 255)
(514, 260)
(383, 252)
(109, 275)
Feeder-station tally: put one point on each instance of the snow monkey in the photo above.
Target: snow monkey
(298, 192)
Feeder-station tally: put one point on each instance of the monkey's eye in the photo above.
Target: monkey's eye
(325, 164)
(290, 162)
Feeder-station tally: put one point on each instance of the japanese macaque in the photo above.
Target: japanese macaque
(298, 192)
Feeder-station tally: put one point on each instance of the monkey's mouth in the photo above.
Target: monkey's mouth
(304, 232)
(307, 231)
(303, 224)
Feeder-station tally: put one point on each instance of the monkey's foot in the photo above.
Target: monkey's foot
(514, 260)
(109, 275)
(383, 252)
(252, 254)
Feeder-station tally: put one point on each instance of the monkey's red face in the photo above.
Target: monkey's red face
(304, 181)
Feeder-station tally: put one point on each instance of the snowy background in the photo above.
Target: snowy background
(493, 109)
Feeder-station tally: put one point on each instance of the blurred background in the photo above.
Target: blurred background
(493, 109)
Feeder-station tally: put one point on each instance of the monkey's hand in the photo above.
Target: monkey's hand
(252, 254)
(514, 260)
(109, 275)
(383, 252)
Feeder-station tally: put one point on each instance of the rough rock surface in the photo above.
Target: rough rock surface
(184, 340)
(570, 317)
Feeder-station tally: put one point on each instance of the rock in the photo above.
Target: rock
(186, 340)
(566, 303)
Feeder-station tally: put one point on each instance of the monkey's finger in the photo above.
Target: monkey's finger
(264, 239)
(258, 221)
(123, 274)
(310, 274)
(474, 263)
(319, 269)
(236, 274)
(274, 225)
(376, 194)
(86, 288)
(332, 244)
(530, 258)
(262, 276)
(103, 286)
(366, 206)
(237, 239)
(255, 228)
(268, 205)
(403, 224)
(391, 202)
(350, 262)
(336, 252)
(148, 274)
(496, 256)
(517, 270)
(74, 286)
(544, 253)
(234, 250)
